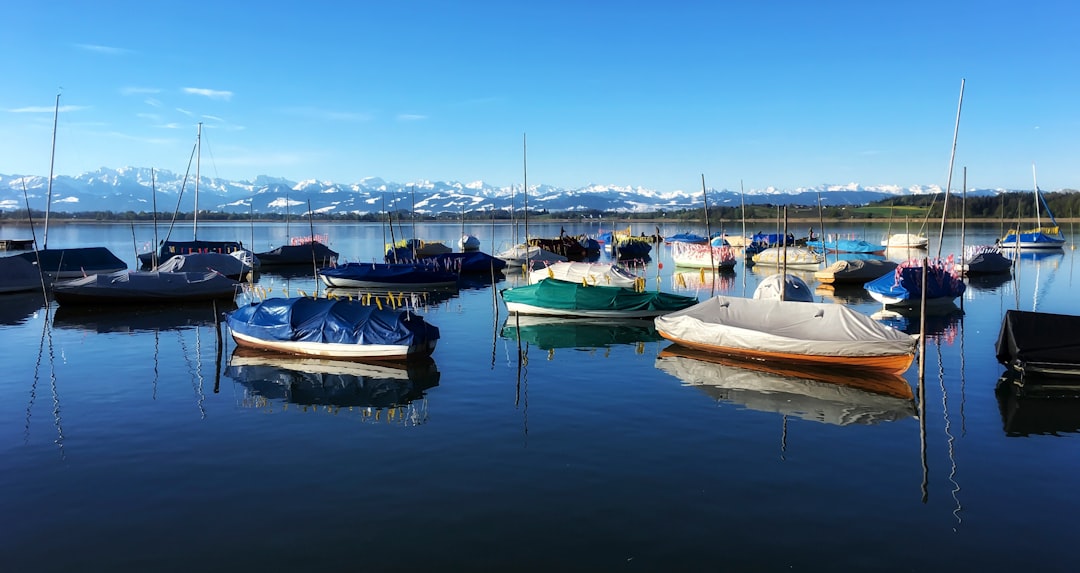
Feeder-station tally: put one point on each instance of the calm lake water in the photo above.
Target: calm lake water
(129, 443)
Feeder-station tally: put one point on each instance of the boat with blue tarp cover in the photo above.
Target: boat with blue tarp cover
(903, 287)
(1039, 237)
(387, 275)
(687, 237)
(466, 262)
(332, 328)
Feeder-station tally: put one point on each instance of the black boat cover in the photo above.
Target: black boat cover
(1040, 342)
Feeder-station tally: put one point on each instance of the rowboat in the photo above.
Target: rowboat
(803, 333)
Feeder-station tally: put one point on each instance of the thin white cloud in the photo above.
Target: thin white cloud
(185, 112)
(213, 118)
(134, 90)
(169, 126)
(44, 109)
(150, 116)
(212, 94)
(411, 117)
(152, 102)
(99, 49)
(325, 114)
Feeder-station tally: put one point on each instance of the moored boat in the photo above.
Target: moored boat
(74, 262)
(387, 275)
(337, 329)
(18, 275)
(591, 274)
(230, 265)
(790, 257)
(309, 252)
(1039, 237)
(854, 271)
(142, 287)
(1040, 343)
(703, 256)
(797, 332)
(903, 286)
(560, 298)
(983, 260)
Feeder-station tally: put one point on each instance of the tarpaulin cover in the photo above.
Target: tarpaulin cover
(86, 259)
(1039, 340)
(403, 274)
(330, 321)
(134, 287)
(309, 253)
(563, 295)
(905, 283)
(784, 327)
(470, 262)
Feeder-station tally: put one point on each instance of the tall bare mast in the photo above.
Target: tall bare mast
(198, 163)
(1034, 179)
(52, 161)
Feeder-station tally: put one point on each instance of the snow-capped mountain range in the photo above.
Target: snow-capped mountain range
(133, 189)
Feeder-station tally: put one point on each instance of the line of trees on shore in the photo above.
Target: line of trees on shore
(1006, 206)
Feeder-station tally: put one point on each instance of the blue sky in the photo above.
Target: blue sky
(651, 94)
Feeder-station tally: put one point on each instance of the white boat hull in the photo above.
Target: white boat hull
(332, 350)
(521, 308)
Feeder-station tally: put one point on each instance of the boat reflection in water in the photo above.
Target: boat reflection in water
(17, 308)
(698, 280)
(989, 282)
(941, 325)
(379, 391)
(840, 397)
(140, 318)
(843, 293)
(1038, 405)
(552, 332)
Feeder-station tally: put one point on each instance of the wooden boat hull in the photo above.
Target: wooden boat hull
(894, 364)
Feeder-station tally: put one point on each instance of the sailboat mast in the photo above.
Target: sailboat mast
(525, 190)
(1038, 219)
(952, 160)
(198, 164)
(52, 162)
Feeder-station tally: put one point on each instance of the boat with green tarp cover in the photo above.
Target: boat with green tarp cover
(560, 298)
